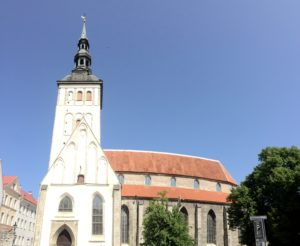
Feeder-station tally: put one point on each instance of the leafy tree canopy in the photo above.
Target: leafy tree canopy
(164, 227)
(272, 189)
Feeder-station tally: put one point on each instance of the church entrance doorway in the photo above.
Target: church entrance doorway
(64, 239)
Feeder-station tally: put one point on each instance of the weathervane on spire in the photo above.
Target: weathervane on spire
(83, 34)
(83, 17)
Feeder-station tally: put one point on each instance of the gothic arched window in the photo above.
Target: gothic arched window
(147, 180)
(196, 184)
(65, 205)
(211, 227)
(185, 214)
(89, 96)
(124, 224)
(218, 187)
(97, 216)
(79, 96)
(121, 178)
(173, 182)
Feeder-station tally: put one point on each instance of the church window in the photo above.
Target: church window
(173, 182)
(79, 96)
(89, 96)
(211, 227)
(185, 214)
(2, 218)
(125, 224)
(121, 179)
(65, 205)
(81, 61)
(218, 187)
(147, 180)
(97, 216)
(196, 184)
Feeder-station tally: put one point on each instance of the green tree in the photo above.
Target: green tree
(272, 189)
(163, 227)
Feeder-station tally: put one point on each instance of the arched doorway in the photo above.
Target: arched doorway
(64, 239)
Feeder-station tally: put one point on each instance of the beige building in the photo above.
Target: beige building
(90, 196)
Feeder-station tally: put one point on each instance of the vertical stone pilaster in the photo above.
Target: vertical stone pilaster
(39, 216)
(116, 216)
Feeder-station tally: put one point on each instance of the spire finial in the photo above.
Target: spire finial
(83, 34)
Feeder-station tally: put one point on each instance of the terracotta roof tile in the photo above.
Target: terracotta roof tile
(28, 197)
(174, 193)
(165, 163)
(8, 179)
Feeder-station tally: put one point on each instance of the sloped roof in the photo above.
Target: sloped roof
(184, 194)
(28, 197)
(8, 179)
(167, 163)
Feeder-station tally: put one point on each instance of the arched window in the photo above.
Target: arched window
(65, 205)
(97, 217)
(79, 96)
(173, 182)
(125, 224)
(89, 96)
(147, 180)
(121, 179)
(196, 184)
(218, 187)
(211, 227)
(185, 214)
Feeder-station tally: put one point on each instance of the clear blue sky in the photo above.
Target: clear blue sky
(217, 79)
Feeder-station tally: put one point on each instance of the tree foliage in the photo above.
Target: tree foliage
(163, 227)
(272, 189)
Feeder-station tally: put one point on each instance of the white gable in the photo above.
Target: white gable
(81, 154)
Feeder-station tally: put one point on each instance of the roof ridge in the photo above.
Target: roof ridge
(166, 153)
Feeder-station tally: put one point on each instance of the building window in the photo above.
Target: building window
(121, 179)
(196, 184)
(79, 96)
(125, 224)
(89, 96)
(65, 205)
(173, 182)
(218, 187)
(147, 180)
(185, 214)
(211, 227)
(97, 217)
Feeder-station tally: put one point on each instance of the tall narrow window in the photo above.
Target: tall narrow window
(211, 227)
(79, 96)
(121, 179)
(185, 214)
(97, 217)
(65, 205)
(125, 224)
(147, 180)
(218, 187)
(89, 96)
(196, 184)
(173, 182)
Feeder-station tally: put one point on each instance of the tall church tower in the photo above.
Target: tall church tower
(79, 201)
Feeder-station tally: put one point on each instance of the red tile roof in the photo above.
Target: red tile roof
(142, 191)
(166, 163)
(8, 179)
(28, 197)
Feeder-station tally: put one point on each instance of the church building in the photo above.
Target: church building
(90, 196)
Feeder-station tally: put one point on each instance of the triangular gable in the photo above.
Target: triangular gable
(81, 155)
